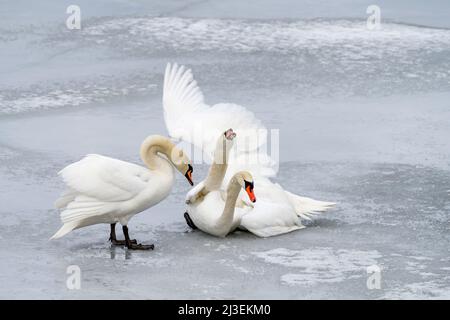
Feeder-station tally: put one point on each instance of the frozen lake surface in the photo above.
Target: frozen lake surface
(363, 119)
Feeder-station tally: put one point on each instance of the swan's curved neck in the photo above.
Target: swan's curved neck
(219, 166)
(151, 150)
(226, 219)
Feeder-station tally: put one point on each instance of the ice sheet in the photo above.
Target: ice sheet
(363, 119)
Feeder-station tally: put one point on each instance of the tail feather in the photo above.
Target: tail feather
(274, 230)
(307, 207)
(67, 197)
(75, 215)
(78, 212)
(65, 229)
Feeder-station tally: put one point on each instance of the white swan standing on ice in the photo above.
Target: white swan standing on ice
(188, 118)
(106, 190)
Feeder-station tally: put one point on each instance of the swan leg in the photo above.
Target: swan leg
(113, 239)
(189, 221)
(135, 246)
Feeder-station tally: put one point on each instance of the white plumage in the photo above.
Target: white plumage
(189, 118)
(106, 190)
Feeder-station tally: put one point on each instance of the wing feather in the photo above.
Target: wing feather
(188, 118)
(105, 179)
(96, 185)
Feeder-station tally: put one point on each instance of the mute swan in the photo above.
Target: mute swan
(265, 218)
(106, 190)
(188, 118)
(217, 217)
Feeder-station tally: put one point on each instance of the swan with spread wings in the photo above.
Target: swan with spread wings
(190, 119)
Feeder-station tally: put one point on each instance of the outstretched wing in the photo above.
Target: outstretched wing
(188, 118)
(181, 98)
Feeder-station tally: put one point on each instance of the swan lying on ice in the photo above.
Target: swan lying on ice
(215, 211)
(189, 118)
(218, 217)
(106, 190)
(219, 212)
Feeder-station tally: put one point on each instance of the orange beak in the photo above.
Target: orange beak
(250, 193)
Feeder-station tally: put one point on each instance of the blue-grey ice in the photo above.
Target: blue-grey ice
(363, 118)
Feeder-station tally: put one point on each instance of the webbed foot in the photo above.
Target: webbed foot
(189, 221)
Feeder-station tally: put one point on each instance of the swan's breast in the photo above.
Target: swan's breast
(207, 211)
(158, 187)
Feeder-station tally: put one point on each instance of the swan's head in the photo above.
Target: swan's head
(223, 146)
(245, 179)
(229, 134)
(183, 164)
